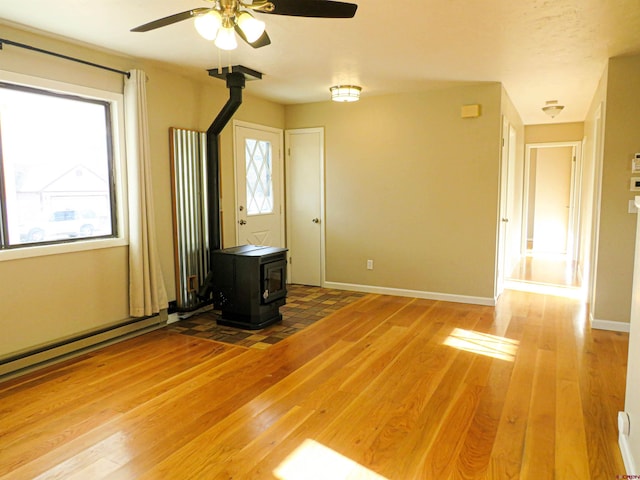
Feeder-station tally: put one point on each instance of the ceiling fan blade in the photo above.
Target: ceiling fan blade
(263, 41)
(163, 22)
(313, 8)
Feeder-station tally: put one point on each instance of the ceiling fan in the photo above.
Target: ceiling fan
(227, 17)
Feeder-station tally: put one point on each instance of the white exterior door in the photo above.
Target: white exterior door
(305, 205)
(259, 179)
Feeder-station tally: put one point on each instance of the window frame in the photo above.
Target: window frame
(115, 101)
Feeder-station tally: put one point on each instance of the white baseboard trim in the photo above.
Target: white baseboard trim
(399, 292)
(28, 360)
(610, 325)
(627, 457)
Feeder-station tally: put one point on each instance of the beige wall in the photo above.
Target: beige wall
(614, 281)
(554, 132)
(45, 299)
(412, 186)
(617, 226)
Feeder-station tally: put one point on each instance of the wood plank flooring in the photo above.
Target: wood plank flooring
(547, 269)
(388, 387)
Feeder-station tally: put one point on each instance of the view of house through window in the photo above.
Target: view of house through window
(56, 166)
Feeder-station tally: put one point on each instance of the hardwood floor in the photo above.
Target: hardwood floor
(547, 269)
(387, 387)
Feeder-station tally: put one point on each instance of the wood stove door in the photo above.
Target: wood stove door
(259, 180)
(273, 278)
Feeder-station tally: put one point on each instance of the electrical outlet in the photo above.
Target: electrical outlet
(369, 264)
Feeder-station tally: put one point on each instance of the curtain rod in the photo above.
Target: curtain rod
(59, 55)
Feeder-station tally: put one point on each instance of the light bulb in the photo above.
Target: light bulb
(208, 24)
(226, 39)
(250, 26)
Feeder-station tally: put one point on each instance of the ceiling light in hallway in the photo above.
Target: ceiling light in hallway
(552, 108)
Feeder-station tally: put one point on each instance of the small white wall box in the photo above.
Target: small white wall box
(635, 163)
(470, 111)
(635, 184)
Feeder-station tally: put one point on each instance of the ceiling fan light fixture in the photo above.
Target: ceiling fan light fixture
(208, 24)
(226, 38)
(345, 93)
(250, 26)
(552, 108)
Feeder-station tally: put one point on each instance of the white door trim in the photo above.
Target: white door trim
(501, 227)
(263, 128)
(598, 160)
(320, 131)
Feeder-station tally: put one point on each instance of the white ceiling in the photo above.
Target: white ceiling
(539, 49)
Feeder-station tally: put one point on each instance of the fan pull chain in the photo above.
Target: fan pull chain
(219, 62)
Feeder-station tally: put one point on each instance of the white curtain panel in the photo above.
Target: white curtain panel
(147, 293)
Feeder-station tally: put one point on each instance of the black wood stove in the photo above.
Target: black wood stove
(246, 283)
(249, 285)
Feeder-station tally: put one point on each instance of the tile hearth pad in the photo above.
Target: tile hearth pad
(305, 305)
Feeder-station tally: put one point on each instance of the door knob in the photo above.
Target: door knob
(316, 220)
(505, 219)
(242, 222)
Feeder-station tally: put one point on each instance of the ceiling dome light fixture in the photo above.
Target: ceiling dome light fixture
(552, 108)
(345, 93)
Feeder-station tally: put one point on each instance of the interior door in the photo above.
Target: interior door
(259, 180)
(503, 212)
(552, 199)
(305, 205)
(514, 206)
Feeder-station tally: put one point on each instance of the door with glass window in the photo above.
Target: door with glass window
(259, 180)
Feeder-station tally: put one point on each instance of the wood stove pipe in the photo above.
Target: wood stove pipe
(236, 77)
(235, 84)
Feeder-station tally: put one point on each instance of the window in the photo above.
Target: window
(259, 183)
(58, 165)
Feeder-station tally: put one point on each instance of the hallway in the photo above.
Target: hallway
(548, 274)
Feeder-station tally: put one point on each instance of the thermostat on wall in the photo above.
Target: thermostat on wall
(635, 184)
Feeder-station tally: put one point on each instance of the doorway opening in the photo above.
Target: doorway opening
(551, 221)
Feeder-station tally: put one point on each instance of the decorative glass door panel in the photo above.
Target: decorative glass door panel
(259, 177)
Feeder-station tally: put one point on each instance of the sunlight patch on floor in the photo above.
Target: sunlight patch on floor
(95, 461)
(483, 344)
(314, 461)
(545, 289)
